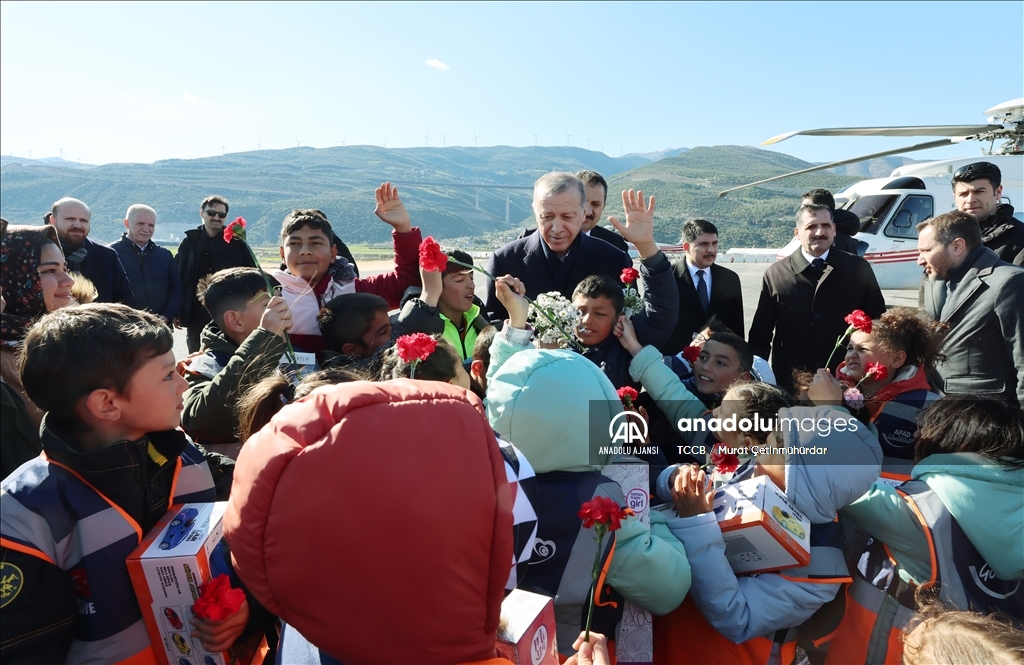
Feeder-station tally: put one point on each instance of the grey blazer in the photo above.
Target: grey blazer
(984, 346)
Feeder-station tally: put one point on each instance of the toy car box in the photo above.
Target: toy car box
(761, 528)
(527, 632)
(185, 549)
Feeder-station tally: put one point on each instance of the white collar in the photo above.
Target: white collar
(810, 259)
(693, 270)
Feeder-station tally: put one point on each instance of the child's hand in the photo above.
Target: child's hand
(639, 226)
(642, 412)
(825, 389)
(593, 652)
(183, 363)
(689, 492)
(391, 209)
(277, 317)
(626, 333)
(218, 636)
(432, 286)
(510, 292)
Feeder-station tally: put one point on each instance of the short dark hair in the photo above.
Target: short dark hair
(978, 171)
(951, 225)
(458, 255)
(696, 227)
(211, 200)
(482, 346)
(813, 208)
(763, 399)
(716, 326)
(347, 318)
(73, 351)
(988, 427)
(311, 217)
(229, 289)
(596, 286)
(821, 197)
(593, 178)
(742, 349)
(441, 365)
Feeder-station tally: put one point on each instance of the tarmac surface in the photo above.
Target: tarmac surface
(750, 277)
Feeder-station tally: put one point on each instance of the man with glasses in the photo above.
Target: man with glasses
(203, 252)
(977, 189)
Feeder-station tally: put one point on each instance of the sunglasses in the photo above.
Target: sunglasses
(214, 213)
(976, 171)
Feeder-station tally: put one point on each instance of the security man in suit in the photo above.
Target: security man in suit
(705, 289)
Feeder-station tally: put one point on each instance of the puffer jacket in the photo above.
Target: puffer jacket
(1004, 234)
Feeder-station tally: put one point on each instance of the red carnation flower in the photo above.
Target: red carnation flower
(691, 353)
(876, 371)
(415, 347)
(725, 462)
(432, 259)
(235, 229)
(627, 394)
(603, 512)
(629, 275)
(859, 320)
(217, 600)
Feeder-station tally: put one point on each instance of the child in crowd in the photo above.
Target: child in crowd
(447, 305)
(956, 526)
(481, 361)
(315, 274)
(682, 362)
(114, 462)
(600, 301)
(443, 364)
(902, 341)
(429, 591)
(955, 638)
(356, 329)
(759, 618)
(243, 343)
(542, 400)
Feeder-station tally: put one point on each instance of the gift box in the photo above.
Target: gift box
(761, 528)
(526, 635)
(185, 549)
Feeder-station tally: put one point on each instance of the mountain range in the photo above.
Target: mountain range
(437, 185)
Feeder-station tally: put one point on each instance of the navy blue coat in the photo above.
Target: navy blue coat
(103, 268)
(529, 260)
(153, 276)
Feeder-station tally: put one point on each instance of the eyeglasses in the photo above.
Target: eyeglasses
(214, 213)
(977, 171)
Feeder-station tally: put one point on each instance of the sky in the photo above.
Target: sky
(139, 82)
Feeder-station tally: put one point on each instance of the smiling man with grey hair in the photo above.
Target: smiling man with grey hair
(151, 269)
(558, 256)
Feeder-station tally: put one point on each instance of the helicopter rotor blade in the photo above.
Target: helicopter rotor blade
(921, 130)
(884, 153)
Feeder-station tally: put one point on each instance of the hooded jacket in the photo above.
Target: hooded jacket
(190, 254)
(986, 500)
(1004, 234)
(543, 400)
(416, 572)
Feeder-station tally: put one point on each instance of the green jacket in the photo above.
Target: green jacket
(986, 500)
(221, 376)
(417, 316)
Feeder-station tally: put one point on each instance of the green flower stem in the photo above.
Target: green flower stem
(547, 315)
(270, 292)
(839, 344)
(593, 577)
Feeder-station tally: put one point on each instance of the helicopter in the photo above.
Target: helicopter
(891, 208)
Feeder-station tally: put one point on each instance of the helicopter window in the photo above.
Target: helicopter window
(872, 210)
(913, 211)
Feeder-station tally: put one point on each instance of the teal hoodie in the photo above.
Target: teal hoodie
(986, 499)
(540, 400)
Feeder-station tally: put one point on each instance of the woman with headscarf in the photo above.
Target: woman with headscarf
(34, 281)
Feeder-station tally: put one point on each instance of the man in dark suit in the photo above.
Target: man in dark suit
(597, 197)
(847, 223)
(981, 299)
(558, 256)
(98, 263)
(705, 289)
(806, 296)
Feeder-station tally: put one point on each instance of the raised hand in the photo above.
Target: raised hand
(639, 226)
(626, 333)
(391, 209)
(689, 493)
(510, 292)
(432, 286)
(825, 389)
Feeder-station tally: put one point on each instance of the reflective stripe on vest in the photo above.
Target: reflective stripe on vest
(52, 512)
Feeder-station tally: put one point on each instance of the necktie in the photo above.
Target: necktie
(702, 291)
(819, 265)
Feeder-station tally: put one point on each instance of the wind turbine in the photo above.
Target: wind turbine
(223, 148)
(385, 143)
(475, 137)
(620, 151)
(567, 135)
(259, 146)
(444, 140)
(343, 140)
(535, 138)
(298, 143)
(61, 151)
(426, 140)
(588, 144)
